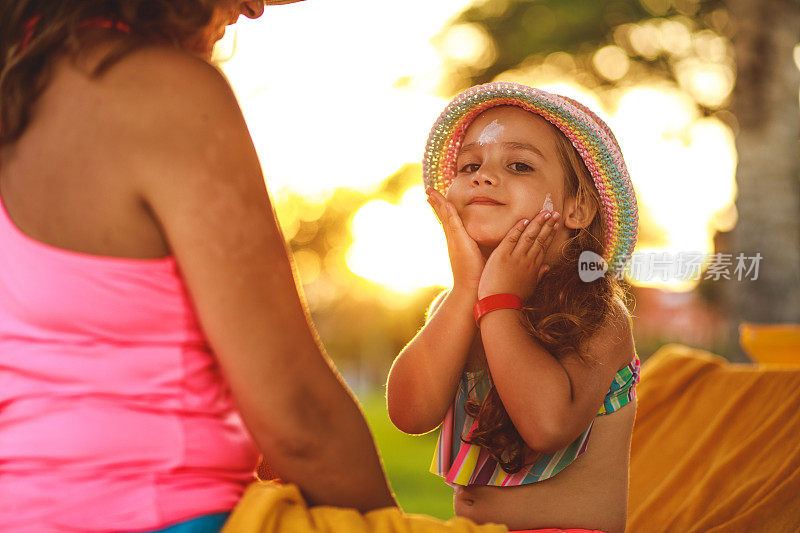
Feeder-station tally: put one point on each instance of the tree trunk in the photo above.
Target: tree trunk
(765, 102)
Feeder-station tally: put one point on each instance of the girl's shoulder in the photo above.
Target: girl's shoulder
(619, 327)
(612, 344)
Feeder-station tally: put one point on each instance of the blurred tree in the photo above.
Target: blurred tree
(612, 43)
(656, 38)
(765, 103)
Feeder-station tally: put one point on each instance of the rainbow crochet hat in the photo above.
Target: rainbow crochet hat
(590, 136)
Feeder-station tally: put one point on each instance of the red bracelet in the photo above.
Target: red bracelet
(495, 302)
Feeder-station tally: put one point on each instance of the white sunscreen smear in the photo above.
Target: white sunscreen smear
(548, 203)
(490, 133)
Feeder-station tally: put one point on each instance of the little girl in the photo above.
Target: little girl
(519, 360)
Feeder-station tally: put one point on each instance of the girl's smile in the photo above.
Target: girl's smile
(484, 200)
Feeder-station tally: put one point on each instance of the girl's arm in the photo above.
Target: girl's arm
(549, 401)
(423, 380)
(199, 175)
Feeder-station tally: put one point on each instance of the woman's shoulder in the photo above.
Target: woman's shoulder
(157, 62)
(154, 80)
(172, 106)
(144, 57)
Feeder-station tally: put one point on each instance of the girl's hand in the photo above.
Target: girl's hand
(515, 266)
(466, 260)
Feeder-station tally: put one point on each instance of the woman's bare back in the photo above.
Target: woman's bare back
(65, 181)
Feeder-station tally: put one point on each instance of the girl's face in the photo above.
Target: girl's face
(508, 169)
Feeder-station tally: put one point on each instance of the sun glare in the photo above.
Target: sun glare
(682, 167)
(400, 246)
(321, 82)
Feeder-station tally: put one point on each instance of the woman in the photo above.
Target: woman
(147, 301)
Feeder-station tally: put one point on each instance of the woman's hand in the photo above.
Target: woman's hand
(515, 266)
(466, 259)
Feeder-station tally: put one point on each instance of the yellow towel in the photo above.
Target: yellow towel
(271, 507)
(716, 446)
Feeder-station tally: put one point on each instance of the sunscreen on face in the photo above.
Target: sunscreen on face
(490, 133)
(548, 203)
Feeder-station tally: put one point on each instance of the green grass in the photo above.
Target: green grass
(407, 459)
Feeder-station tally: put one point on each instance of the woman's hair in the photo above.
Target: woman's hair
(563, 313)
(24, 75)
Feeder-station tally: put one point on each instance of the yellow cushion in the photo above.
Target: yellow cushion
(771, 344)
(273, 507)
(715, 445)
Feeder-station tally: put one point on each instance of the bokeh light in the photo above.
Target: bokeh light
(344, 114)
(469, 44)
(682, 166)
(611, 62)
(400, 245)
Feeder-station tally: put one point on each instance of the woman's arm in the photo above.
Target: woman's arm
(200, 176)
(423, 380)
(550, 401)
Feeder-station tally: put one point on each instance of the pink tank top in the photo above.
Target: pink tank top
(113, 413)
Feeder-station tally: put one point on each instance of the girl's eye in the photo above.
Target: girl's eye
(521, 167)
(470, 167)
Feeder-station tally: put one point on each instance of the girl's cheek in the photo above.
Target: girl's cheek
(455, 198)
(548, 203)
(474, 232)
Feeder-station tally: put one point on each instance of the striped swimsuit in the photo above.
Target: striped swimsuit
(460, 463)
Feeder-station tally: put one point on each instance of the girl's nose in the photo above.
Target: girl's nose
(483, 177)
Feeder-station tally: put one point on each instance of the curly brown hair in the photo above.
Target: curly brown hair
(563, 313)
(25, 73)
